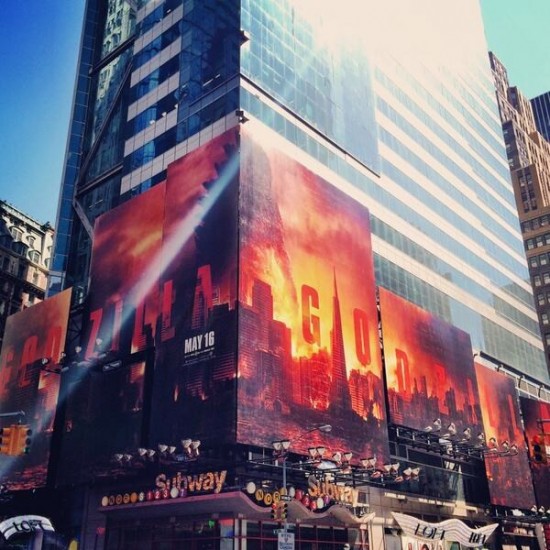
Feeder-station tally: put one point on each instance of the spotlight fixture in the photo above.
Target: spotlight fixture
(368, 463)
(451, 430)
(190, 448)
(467, 434)
(434, 427)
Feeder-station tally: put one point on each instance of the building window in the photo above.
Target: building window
(546, 278)
(16, 233)
(543, 259)
(541, 299)
(534, 261)
(544, 318)
(537, 280)
(31, 240)
(34, 256)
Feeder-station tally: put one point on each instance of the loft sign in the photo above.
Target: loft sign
(24, 524)
(450, 529)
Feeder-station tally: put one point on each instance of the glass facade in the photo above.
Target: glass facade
(409, 127)
(438, 189)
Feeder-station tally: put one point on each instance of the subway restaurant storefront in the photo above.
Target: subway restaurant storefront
(201, 513)
(225, 521)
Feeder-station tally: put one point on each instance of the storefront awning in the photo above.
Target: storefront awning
(234, 503)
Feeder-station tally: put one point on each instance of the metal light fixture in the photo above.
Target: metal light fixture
(190, 448)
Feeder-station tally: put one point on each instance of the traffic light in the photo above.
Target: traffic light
(283, 510)
(275, 511)
(6, 440)
(538, 447)
(23, 440)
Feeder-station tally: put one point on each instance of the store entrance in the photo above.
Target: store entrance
(175, 533)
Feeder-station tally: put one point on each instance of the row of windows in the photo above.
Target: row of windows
(17, 235)
(459, 278)
(149, 21)
(152, 80)
(538, 241)
(151, 114)
(186, 128)
(452, 120)
(539, 261)
(450, 190)
(431, 123)
(157, 45)
(539, 280)
(448, 241)
(543, 298)
(535, 223)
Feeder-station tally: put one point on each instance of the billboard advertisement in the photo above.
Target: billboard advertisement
(308, 327)
(509, 481)
(34, 344)
(160, 333)
(105, 393)
(536, 419)
(429, 368)
(195, 363)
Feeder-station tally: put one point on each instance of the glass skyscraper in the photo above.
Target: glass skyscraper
(389, 99)
(289, 227)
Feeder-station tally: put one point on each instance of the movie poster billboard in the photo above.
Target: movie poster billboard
(509, 476)
(429, 369)
(105, 390)
(308, 331)
(195, 364)
(536, 419)
(160, 334)
(32, 350)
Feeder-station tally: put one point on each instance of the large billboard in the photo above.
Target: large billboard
(308, 327)
(32, 350)
(195, 363)
(160, 330)
(429, 368)
(509, 480)
(105, 391)
(536, 419)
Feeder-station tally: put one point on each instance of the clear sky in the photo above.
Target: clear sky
(39, 42)
(518, 33)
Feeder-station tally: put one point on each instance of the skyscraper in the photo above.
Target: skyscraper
(157, 81)
(276, 216)
(529, 159)
(541, 110)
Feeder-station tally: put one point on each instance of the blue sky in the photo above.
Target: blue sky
(39, 41)
(517, 31)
